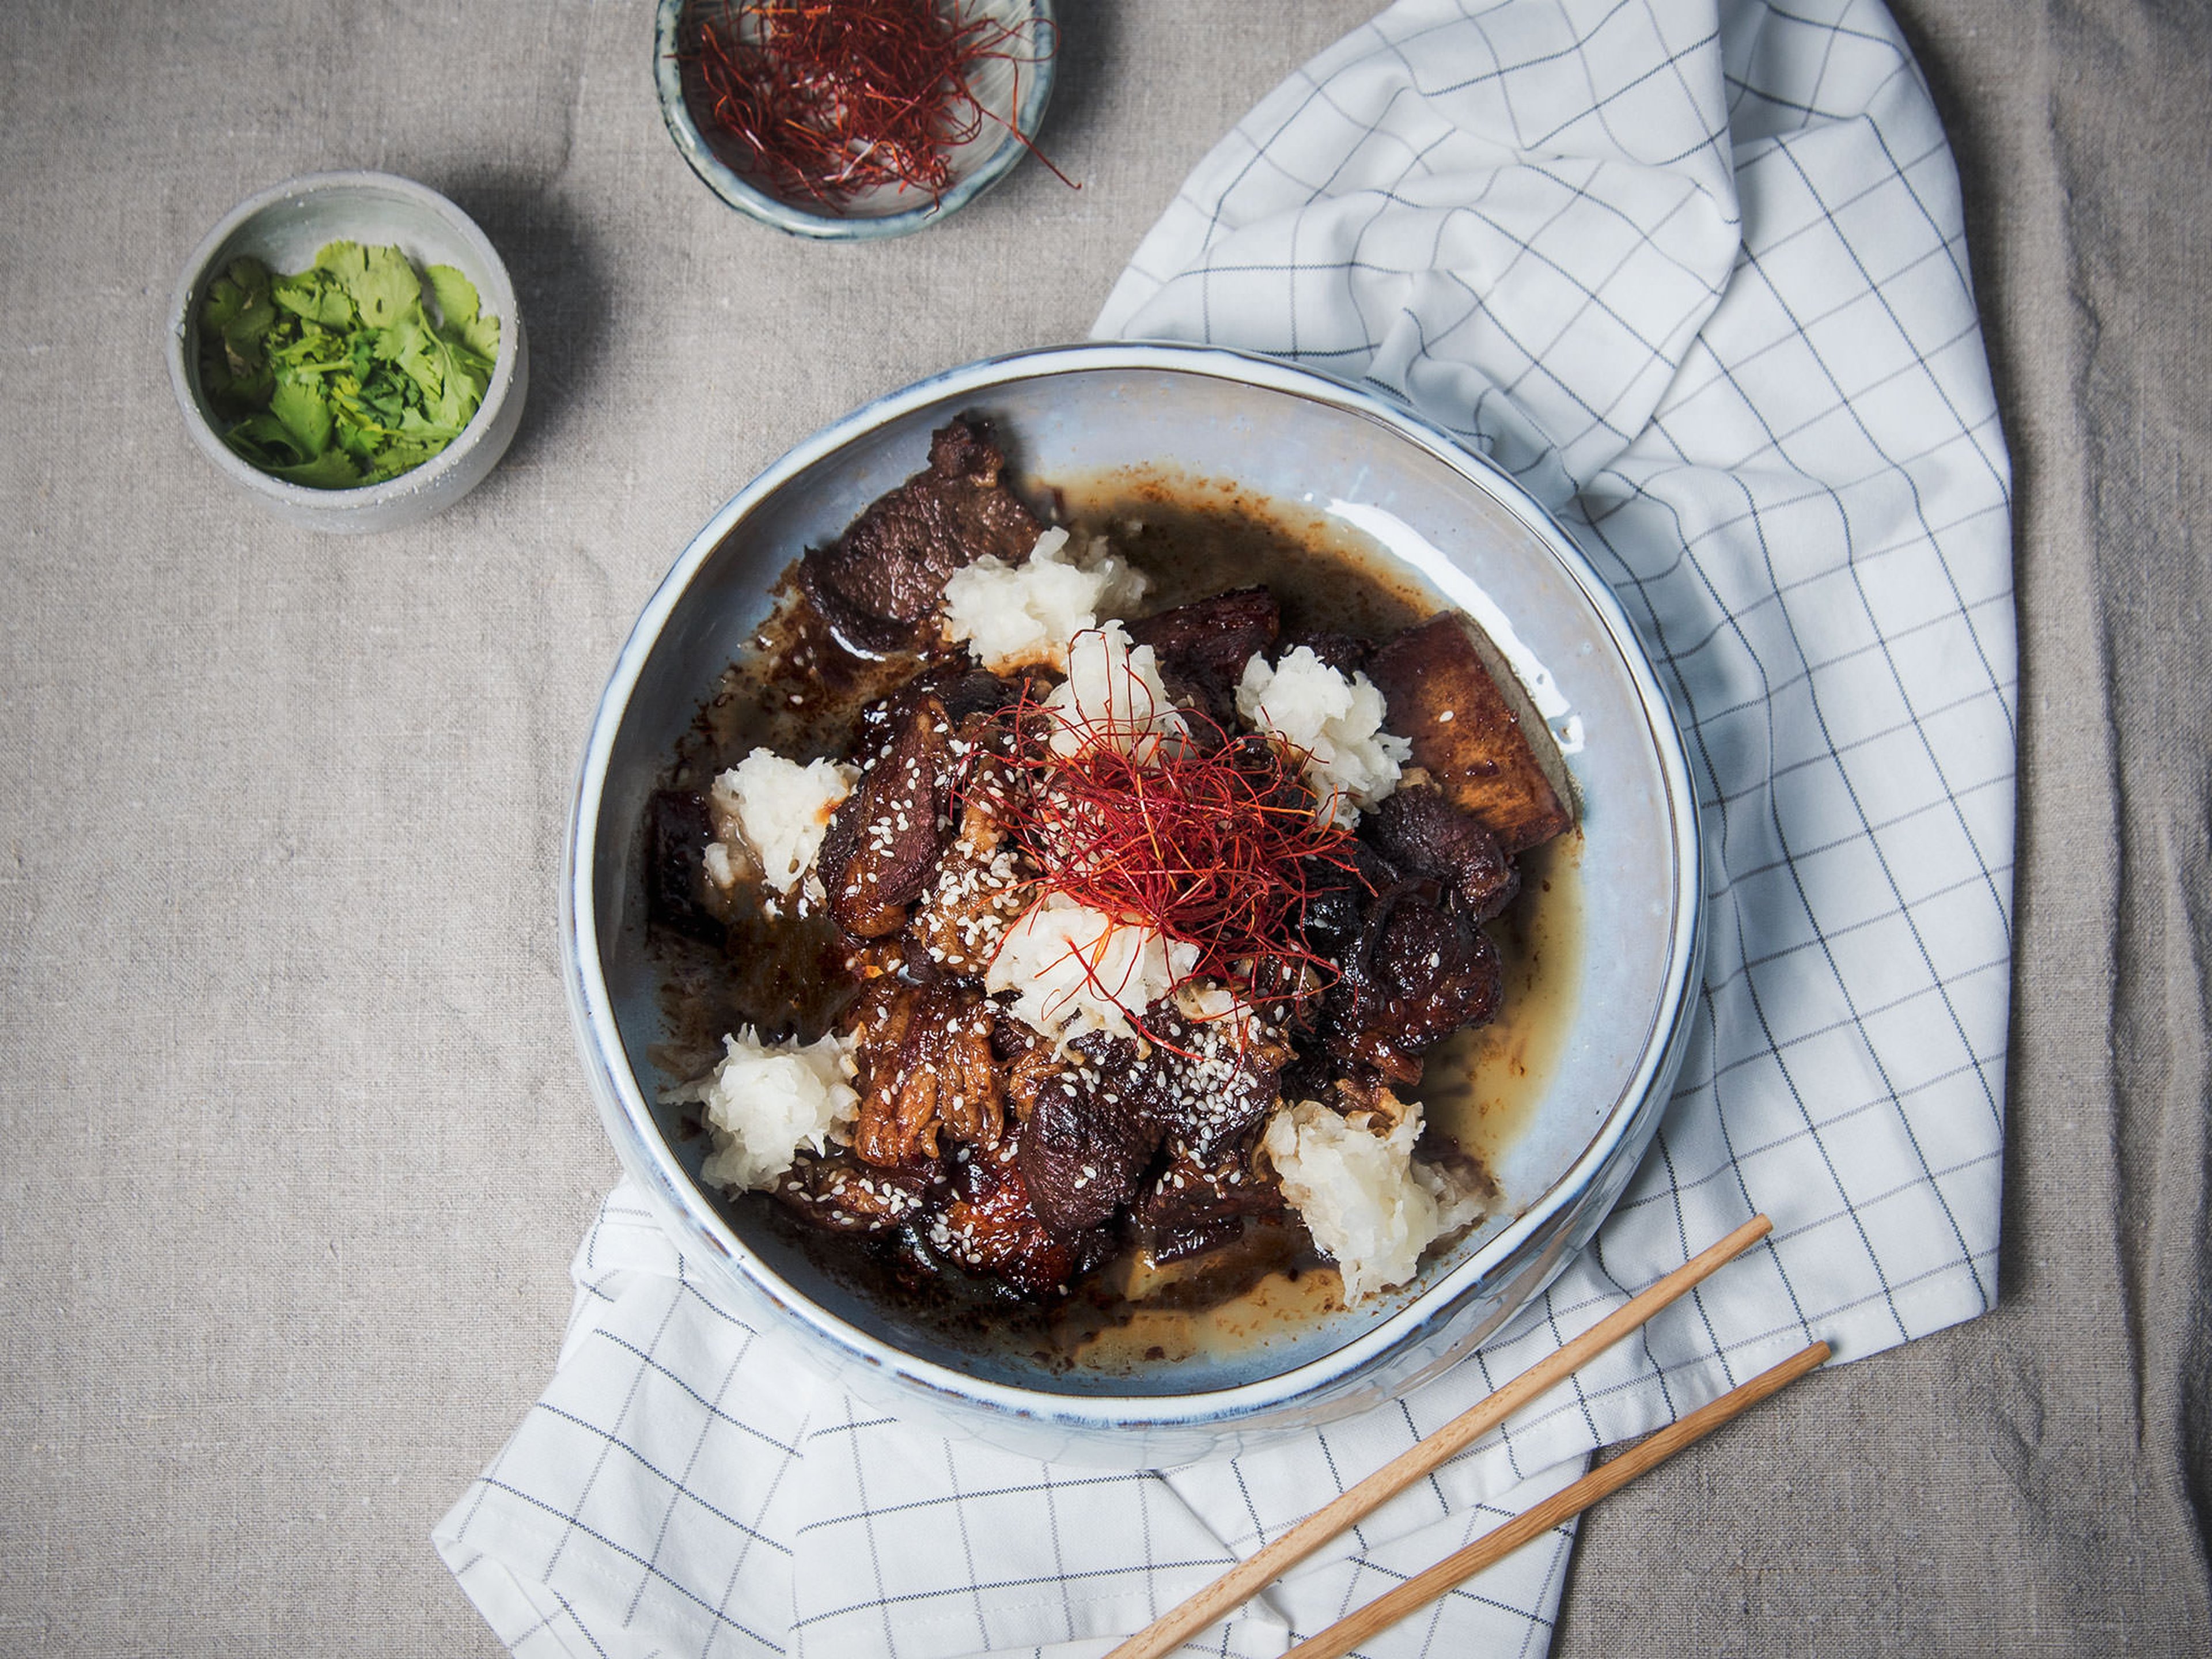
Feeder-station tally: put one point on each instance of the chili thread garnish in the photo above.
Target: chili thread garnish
(830, 99)
(1213, 839)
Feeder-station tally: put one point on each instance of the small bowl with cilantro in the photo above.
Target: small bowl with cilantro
(346, 346)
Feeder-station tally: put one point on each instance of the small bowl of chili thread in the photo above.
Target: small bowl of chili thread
(852, 120)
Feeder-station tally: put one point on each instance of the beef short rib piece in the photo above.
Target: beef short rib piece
(1419, 973)
(1424, 834)
(879, 584)
(1194, 1206)
(1337, 899)
(1087, 1142)
(885, 839)
(1095, 1122)
(679, 826)
(1094, 1127)
(840, 1194)
(1342, 652)
(925, 1068)
(993, 1227)
(969, 692)
(1466, 726)
(1206, 644)
(1215, 1101)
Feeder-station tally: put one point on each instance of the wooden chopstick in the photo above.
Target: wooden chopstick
(1244, 1580)
(1419, 1590)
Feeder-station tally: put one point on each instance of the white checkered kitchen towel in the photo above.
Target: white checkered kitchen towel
(1696, 275)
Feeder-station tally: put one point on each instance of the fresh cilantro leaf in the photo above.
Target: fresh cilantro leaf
(481, 336)
(266, 442)
(313, 296)
(235, 318)
(314, 353)
(428, 361)
(233, 298)
(388, 288)
(333, 469)
(306, 416)
(401, 344)
(455, 294)
(343, 260)
(415, 424)
(477, 369)
(404, 454)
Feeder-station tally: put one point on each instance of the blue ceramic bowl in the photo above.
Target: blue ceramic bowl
(1015, 95)
(1427, 514)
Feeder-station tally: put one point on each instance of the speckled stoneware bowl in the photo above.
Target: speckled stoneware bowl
(285, 227)
(1426, 513)
(1014, 94)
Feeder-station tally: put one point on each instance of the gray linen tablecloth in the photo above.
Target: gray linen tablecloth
(298, 1145)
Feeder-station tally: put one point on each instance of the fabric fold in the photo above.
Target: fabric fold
(1515, 217)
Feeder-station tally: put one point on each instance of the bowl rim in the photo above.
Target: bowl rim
(184, 366)
(730, 186)
(686, 1215)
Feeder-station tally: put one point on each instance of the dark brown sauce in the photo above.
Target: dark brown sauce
(1197, 537)
(796, 691)
(800, 694)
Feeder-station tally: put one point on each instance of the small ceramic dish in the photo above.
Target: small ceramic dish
(284, 226)
(1110, 423)
(1013, 94)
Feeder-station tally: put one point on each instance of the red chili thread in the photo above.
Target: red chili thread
(833, 98)
(1211, 839)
